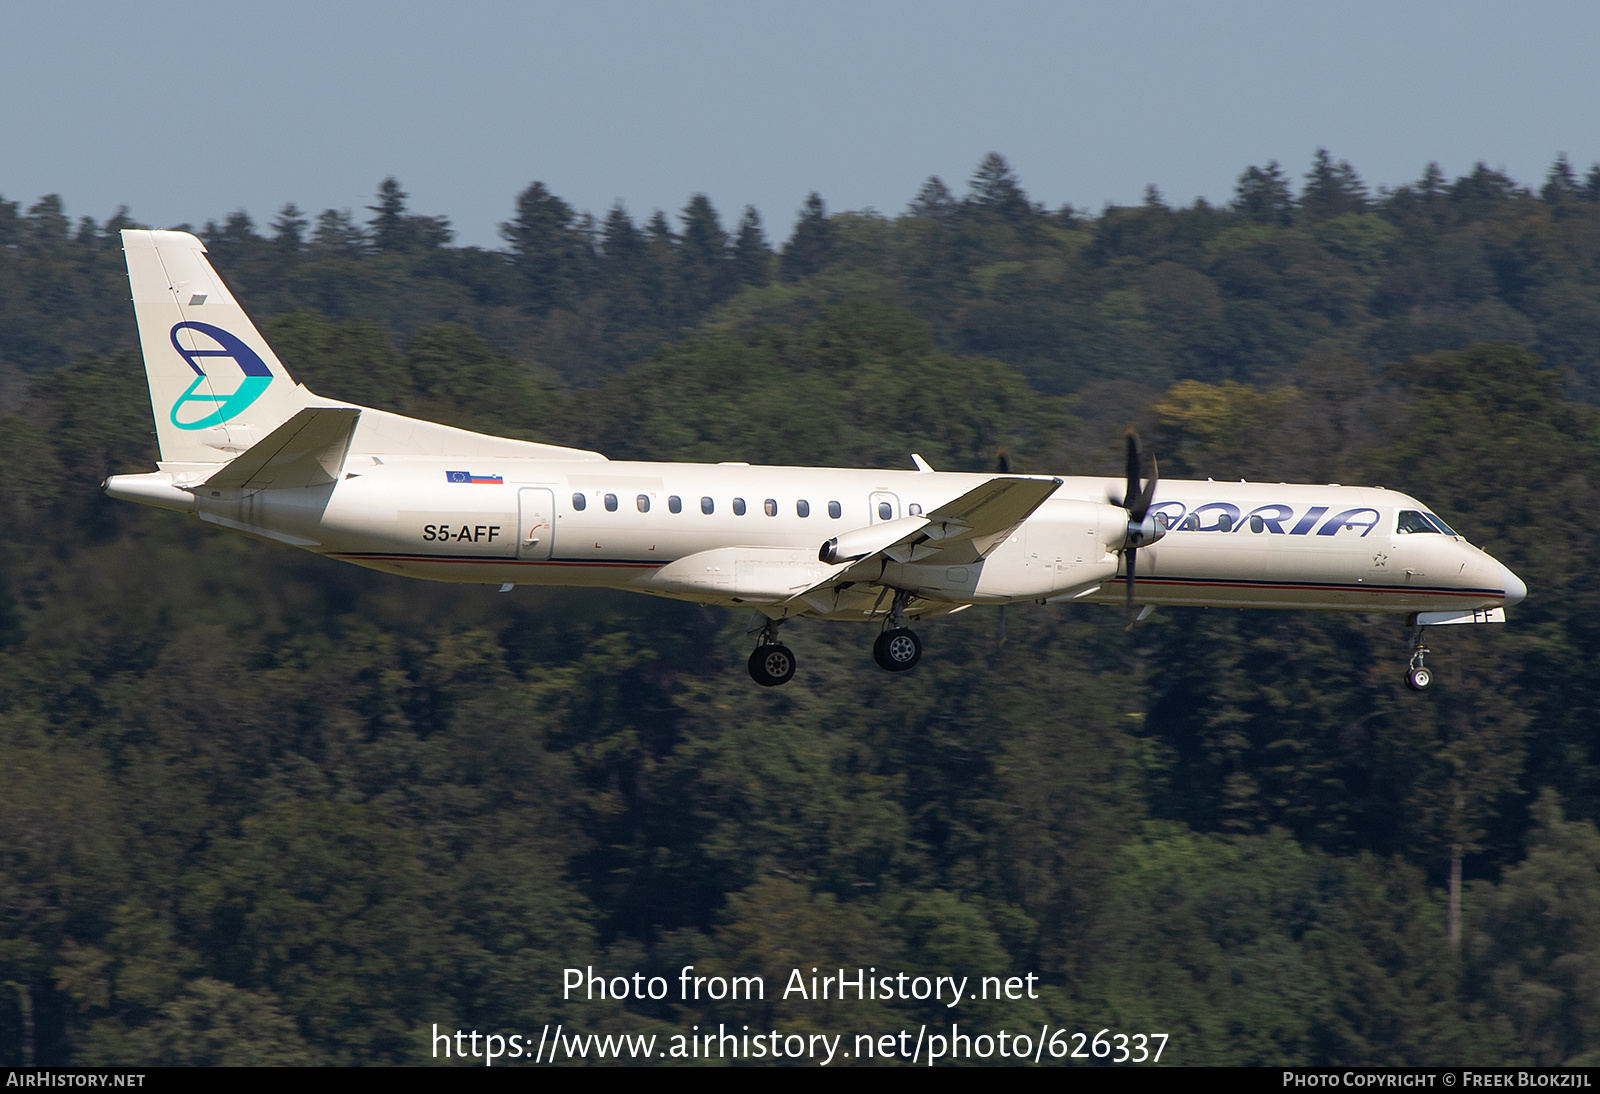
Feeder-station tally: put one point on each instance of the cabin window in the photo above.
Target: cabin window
(803, 508)
(674, 504)
(1192, 524)
(579, 502)
(643, 502)
(1225, 522)
(770, 506)
(738, 507)
(1257, 524)
(707, 506)
(885, 511)
(915, 509)
(611, 503)
(835, 510)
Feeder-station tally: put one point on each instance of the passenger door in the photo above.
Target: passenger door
(536, 527)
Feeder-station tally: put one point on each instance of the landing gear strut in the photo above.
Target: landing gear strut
(772, 663)
(898, 648)
(1418, 675)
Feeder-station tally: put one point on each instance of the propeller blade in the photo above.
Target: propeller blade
(1133, 470)
(1147, 495)
(1004, 462)
(1133, 564)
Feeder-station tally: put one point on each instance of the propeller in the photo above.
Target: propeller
(1143, 529)
(1003, 465)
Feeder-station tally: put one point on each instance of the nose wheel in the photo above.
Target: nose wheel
(771, 663)
(1418, 675)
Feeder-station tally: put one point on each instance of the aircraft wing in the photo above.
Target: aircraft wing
(973, 525)
(306, 450)
(957, 533)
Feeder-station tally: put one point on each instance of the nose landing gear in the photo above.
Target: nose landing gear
(771, 663)
(1418, 675)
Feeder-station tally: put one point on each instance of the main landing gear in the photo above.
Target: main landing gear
(772, 663)
(1418, 675)
(898, 648)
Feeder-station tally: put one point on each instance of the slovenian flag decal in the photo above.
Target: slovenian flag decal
(468, 476)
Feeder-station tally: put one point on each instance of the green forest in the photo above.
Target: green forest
(258, 807)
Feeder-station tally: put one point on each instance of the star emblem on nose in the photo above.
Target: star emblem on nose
(1380, 560)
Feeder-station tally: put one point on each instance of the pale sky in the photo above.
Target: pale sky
(187, 112)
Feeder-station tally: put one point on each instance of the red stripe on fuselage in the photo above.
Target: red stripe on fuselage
(453, 559)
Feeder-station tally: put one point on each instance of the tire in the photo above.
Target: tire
(897, 650)
(1419, 678)
(771, 665)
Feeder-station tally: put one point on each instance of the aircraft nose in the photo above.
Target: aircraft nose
(1515, 589)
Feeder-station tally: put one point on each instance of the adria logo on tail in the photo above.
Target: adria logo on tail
(224, 407)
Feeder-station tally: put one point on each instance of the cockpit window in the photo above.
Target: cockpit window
(1412, 521)
(1442, 526)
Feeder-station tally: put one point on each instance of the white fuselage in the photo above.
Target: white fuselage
(245, 447)
(736, 533)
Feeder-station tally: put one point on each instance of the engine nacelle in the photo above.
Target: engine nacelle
(861, 542)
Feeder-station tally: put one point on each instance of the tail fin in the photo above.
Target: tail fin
(215, 385)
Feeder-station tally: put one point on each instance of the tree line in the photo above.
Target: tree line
(260, 807)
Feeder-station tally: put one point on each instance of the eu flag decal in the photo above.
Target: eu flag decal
(469, 477)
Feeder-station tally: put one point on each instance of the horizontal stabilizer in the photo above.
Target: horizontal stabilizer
(307, 450)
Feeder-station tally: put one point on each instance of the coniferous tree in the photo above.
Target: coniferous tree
(751, 255)
(1263, 195)
(1561, 184)
(996, 190)
(1432, 184)
(337, 232)
(706, 266)
(934, 201)
(393, 229)
(661, 271)
(387, 227)
(547, 247)
(1332, 189)
(11, 225)
(237, 229)
(47, 221)
(1591, 184)
(1476, 195)
(620, 240)
(811, 245)
(289, 230)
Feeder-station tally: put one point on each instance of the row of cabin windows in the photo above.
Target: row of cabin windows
(802, 508)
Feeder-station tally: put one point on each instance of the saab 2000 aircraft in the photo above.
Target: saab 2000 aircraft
(246, 448)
